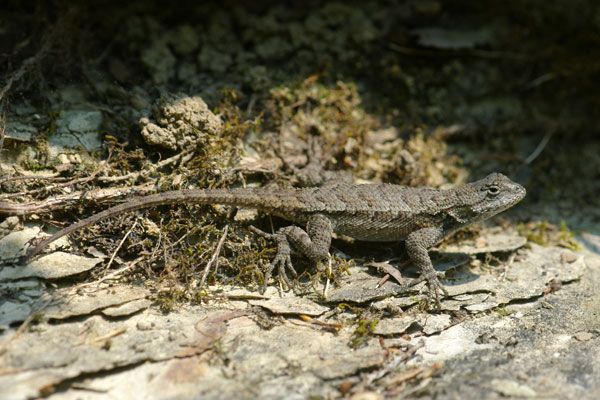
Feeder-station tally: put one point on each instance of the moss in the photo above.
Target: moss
(502, 311)
(333, 114)
(547, 234)
(365, 329)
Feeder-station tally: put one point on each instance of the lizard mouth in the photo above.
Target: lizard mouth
(520, 193)
(514, 194)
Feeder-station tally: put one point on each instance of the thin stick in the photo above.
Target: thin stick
(63, 201)
(182, 157)
(48, 178)
(109, 276)
(213, 259)
(109, 335)
(329, 273)
(459, 52)
(120, 244)
(540, 147)
(51, 179)
(2, 128)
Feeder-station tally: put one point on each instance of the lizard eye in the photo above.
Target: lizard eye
(493, 190)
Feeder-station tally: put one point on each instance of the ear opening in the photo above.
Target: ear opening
(454, 213)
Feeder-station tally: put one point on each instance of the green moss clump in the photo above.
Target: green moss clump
(547, 234)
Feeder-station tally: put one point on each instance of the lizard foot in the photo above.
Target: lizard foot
(434, 285)
(282, 260)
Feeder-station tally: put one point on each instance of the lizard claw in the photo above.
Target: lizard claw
(434, 285)
(282, 260)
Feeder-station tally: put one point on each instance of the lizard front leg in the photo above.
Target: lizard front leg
(417, 244)
(314, 244)
(314, 172)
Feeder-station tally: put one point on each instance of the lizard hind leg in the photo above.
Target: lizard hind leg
(314, 245)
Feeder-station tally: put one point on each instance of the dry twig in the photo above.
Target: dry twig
(120, 244)
(215, 255)
(68, 200)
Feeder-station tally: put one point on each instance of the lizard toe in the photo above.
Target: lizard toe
(284, 263)
(267, 277)
(262, 233)
(434, 295)
(435, 287)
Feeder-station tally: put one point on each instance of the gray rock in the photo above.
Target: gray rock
(491, 243)
(128, 308)
(51, 266)
(20, 131)
(511, 388)
(13, 312)
(77, 128)
(71, 305)
(291, 305)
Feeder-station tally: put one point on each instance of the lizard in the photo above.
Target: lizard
(419, 216)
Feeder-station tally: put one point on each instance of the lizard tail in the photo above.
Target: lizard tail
(253, 198)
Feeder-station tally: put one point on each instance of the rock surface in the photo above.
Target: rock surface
(100, 338)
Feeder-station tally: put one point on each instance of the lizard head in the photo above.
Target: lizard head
(495, 193)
